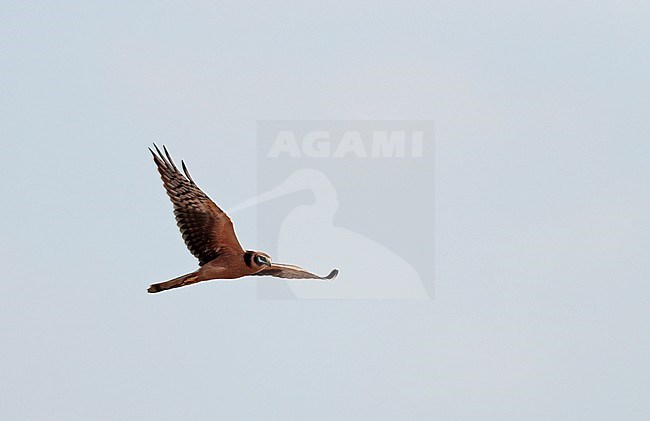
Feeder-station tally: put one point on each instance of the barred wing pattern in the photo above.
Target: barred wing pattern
(206, 229)
(294, 272)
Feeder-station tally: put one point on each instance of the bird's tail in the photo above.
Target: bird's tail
(183, 280)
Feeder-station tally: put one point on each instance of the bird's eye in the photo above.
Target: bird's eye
(261, 260)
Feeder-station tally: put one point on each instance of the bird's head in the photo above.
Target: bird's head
(257, 259)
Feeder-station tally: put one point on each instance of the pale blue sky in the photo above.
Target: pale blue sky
(542, 234)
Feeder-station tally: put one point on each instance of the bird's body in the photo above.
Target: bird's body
(210, 236)
(225, 266)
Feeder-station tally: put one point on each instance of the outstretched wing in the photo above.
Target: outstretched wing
(206, 229)
(293, 272)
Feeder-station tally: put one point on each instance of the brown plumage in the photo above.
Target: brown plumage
(210, 236)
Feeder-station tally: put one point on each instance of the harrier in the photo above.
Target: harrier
(209, 235)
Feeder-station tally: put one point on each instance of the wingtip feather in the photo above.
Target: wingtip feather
(187, 173)
(156, 158)
(169, 158)
(333, 274)
(157, 150)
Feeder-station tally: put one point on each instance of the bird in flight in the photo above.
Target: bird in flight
(209, 235)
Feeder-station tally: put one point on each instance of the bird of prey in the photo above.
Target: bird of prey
(209, 235)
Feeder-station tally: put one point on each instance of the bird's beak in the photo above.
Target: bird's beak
(268, 264)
